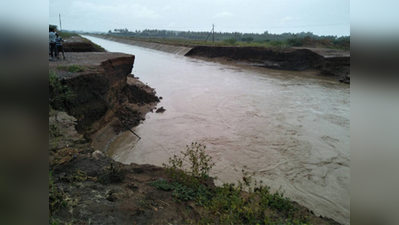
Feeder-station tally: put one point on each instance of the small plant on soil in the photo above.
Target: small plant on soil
(163, 185)
(198, 161)
(183, 192)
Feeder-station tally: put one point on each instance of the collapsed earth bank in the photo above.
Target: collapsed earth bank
(102, 83)
(333, 63)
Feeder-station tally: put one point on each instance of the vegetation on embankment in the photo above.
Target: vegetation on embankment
(343, 44)
(77, 43)
(246, 202)
(265, 39)
(59, 93)
(87, 187)
(73, 42)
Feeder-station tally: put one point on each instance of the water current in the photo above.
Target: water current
(291, 128)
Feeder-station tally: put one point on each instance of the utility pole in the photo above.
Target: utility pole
(60, 23)
(213, 30)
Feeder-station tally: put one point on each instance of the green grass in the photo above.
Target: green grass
(234, 43)
(59, 93)
(164, 185)
(72, 68)
(66, 35)
(192, 43)
(183, 192)
(96, 46)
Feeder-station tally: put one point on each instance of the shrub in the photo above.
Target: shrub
(59, 93)
(198, 161)
(277, 43)
(182, 192)
(247, 39)
(296, 42)
(231, 41)
(163, 185)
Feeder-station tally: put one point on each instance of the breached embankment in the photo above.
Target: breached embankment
(105, 75)
(331, 63)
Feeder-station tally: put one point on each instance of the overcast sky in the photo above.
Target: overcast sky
(321, 17)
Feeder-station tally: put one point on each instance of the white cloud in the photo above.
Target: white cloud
(171, 25)
(223, 15)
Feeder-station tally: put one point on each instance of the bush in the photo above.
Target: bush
(182, 192)
(199, 163)
(277, 43)
(247, 39)
(59, 93)
(296, 42)
(163, 185)
(231, 41)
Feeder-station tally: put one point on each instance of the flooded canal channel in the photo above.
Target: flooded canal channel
(291, 128)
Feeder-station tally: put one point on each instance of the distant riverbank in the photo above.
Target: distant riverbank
(327, 62)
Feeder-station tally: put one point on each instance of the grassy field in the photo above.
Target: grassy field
(191, 43)
(66, 35)
(234, 43)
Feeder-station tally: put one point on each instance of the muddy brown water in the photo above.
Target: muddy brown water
(291, 128)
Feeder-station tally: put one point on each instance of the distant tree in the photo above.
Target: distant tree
(247, 39)
(231, 41)
(110, 32)
(296, 42)
(53, 26)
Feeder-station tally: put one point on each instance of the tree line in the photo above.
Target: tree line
(292, 39)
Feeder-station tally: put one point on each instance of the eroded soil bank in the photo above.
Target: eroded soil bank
(334, 63)
(101, 82)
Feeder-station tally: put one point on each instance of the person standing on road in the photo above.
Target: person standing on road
(58, 44)
(52, 44)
